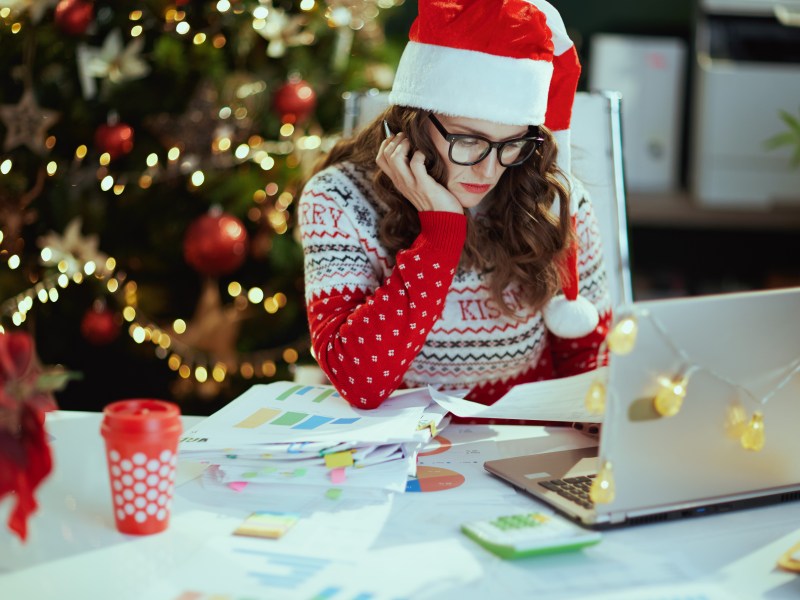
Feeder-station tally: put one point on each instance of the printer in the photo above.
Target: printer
(745, 74)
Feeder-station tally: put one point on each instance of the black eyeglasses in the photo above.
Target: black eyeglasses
(468, 149)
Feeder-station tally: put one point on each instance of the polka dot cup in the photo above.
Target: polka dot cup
(141, 448)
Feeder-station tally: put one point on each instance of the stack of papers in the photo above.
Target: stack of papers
(286, 433)
(289, 433)
(562, 399)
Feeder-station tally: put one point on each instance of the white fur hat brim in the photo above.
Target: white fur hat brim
(465, 83)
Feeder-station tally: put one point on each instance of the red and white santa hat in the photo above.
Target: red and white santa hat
(505, 61)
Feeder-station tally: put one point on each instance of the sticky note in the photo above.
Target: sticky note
(339, 459)
(265, 524)
(338, 475)
(429, 425)
(333, 493)
(790, 561)
(237, 486)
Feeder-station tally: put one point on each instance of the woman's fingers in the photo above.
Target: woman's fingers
(393, 160)
(410, 176)
(398, 157)
(417, 166)
(437, 197)
(382, 150)
(383, 159)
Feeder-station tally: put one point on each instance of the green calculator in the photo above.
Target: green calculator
(529, 534)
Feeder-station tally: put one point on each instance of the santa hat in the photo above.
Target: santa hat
(505, 61)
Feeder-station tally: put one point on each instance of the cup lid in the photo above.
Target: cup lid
(140, 415)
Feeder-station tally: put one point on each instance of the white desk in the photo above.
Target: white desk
(398, 546)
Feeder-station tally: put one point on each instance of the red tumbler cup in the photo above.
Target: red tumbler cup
(141, 447)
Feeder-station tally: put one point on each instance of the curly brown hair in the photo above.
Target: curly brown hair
(515, 240)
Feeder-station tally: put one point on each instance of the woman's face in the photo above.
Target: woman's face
(470, 184)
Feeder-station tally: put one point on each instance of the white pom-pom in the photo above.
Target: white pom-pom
(570, 318)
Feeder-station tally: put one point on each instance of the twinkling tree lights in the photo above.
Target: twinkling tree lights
(152, 153)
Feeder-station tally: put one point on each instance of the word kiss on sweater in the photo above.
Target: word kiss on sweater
(379, 323)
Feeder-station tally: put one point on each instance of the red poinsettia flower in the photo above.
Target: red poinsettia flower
(25, 395)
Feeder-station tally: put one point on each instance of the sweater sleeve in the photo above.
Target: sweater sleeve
(574, 356)
(365, 332)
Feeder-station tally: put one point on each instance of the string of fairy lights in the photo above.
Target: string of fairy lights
(294, 147)
(255, 150)
(673, 387)
(188, 362)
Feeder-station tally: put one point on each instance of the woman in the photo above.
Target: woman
(436, 240)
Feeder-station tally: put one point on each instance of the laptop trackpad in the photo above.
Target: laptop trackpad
(549, 465)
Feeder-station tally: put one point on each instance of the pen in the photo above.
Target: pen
(386, 129)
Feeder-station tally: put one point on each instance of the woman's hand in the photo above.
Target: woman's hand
(411, 178)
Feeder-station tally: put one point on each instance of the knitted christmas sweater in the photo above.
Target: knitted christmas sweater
(379, 323)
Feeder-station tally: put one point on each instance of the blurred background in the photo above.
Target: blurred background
(151, 154)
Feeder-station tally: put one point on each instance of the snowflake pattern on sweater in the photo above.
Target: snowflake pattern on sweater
(379, 323)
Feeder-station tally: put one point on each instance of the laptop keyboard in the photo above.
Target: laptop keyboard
(574, 489)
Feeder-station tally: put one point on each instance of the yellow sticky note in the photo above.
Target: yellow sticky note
(267, 524)
(339, 459)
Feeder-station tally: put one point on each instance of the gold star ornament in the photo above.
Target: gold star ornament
(27, 123)
(214, 329)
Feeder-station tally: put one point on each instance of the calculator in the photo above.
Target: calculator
(529, 534)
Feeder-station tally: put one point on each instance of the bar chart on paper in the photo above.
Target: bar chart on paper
(195, 595)
(337, 593)
(285, 571)
(285, 412)
(295, 419)
(240, 568)
(317, 393)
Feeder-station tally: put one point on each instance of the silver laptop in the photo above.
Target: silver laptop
(742, 354)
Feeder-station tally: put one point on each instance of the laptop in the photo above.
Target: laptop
(741, 352)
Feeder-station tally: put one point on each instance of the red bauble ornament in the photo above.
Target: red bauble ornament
(100, 325)
(116, 139)
(74, 16)
(294, 101)
(215, 244)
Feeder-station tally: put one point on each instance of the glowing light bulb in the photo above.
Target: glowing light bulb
(669, 398)
(602, 490)
(753, 436)
(596, 398)
(735, 420)
(622, 338)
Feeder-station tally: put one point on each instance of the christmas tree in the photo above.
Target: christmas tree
(152, 154)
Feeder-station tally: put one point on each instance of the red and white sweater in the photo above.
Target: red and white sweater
(380, 323)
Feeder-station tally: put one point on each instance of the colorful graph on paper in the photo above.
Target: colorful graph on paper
(193, 595)
(434, 479)
(257, 572)
(338, 593)
(285, 412)
(296, 420)
(275, 570)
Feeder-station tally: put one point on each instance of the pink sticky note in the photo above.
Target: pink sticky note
(237, 486)
(338, 475)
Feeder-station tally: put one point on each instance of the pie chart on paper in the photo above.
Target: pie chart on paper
(433, 479)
